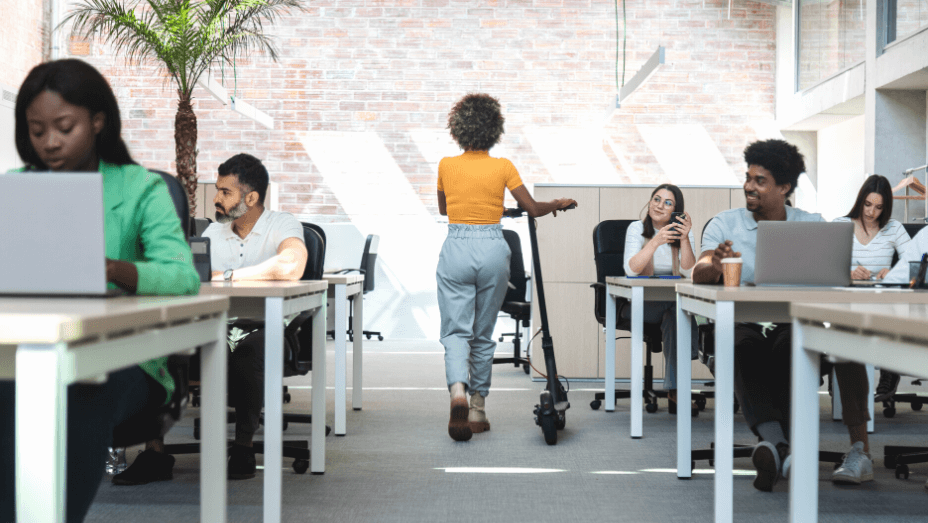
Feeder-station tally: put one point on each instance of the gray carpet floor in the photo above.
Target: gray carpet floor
(397, 463)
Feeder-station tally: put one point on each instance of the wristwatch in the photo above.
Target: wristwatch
(227, 275)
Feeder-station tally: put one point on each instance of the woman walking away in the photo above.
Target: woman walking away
(473, 268)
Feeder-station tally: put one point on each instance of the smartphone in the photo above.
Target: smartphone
(675, 217)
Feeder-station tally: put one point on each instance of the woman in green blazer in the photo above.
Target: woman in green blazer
(67, 119)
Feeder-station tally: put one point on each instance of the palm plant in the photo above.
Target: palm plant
(185, 37)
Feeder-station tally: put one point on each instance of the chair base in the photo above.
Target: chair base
(900, 457)
(745, 451)
(517, 358)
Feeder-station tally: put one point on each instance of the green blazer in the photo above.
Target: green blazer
(142, 227)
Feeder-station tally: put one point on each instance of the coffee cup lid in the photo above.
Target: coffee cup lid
(731, 260)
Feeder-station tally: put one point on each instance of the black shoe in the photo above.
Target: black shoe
(886, 387)
(148, 466)
(242, 463)
(768, 461)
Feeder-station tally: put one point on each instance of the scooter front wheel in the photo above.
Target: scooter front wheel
(549, 428)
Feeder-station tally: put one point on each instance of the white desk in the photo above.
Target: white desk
(727, 305)
(637, 291)
(892, 336)
(60, 341)
(272, 301)
(342, 287)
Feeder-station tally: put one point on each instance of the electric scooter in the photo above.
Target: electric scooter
(550, 413)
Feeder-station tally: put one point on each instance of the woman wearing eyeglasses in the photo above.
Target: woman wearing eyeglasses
(658, 245)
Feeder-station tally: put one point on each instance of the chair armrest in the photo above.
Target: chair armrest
(598, 285)
(346, 271)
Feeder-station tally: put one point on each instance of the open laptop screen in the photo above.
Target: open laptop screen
(804, 253)
(53, 234)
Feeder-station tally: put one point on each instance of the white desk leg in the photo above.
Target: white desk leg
(724, 408)
(213, 426)
(357, 352)
(803, 487)
(684, 393)
(341, 357)
(870, 375)
(609, 382)
(41, 433)
(637, 346)
(837, 408)
(273, 406)
(317, 445)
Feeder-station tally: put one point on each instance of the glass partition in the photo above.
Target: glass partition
(905, 17)
(830, 38)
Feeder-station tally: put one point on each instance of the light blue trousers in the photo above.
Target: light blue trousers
(473, 273)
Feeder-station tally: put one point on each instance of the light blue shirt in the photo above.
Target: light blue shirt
(738, 225)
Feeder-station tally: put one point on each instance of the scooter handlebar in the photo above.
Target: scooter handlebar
(518, 211)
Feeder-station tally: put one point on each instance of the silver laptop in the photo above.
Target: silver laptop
(52, 234)
(804, 253)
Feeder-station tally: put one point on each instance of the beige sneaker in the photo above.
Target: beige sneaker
(458, 426)
(478, 415)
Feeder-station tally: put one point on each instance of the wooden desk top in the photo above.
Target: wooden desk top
(343, 279)
(802, 294)
(897, 319)
(263, 289)
(54, 320)
(646, 282)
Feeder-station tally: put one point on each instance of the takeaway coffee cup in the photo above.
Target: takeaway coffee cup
(731, 272)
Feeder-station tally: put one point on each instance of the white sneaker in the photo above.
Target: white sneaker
(856, 468)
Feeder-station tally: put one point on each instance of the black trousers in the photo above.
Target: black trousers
(93, 412)
(762, 378)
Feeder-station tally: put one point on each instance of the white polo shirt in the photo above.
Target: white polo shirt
(228, 251)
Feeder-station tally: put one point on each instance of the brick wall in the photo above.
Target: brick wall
(392, 70)
(911, 15)
(22, 38)
(832, 38)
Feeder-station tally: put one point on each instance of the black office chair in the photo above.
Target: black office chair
(198, 226)
(142, 428)
(609, 255)
(368, 269)
(514, 304)
(298, 350)
(914, 400)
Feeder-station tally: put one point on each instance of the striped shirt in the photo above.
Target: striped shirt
(878, 254)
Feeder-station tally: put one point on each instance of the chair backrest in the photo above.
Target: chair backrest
(199, 225)
(315, 240)
(298, 359)
(179, 197)
(609, 257)
(369, 261)
(517, 277)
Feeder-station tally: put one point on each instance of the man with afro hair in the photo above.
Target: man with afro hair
(762, 351)
(473, 268)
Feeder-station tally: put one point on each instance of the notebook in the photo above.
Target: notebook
(804, 253)
(53, 234)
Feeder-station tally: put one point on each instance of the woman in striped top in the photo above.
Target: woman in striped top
(876, 235)
(876, 238)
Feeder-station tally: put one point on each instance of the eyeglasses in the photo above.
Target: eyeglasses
(667, 203)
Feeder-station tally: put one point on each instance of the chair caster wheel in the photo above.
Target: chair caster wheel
(902, 471)
(195, 402)
(712, 463)
(596, 404)
(695, 412)
(287, 398)
(196, 433)
(889, 462)
(379, 338)
(500, 339)
(286, 425)
(889, 412)
(916, 405)
(525, 368)
(300, 466)
(651, 408)
(701, 403)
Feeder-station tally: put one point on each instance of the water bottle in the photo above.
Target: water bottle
(116, 460)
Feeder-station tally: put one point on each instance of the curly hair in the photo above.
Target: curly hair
(782, 159)
(476, 122)
(250, 172)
